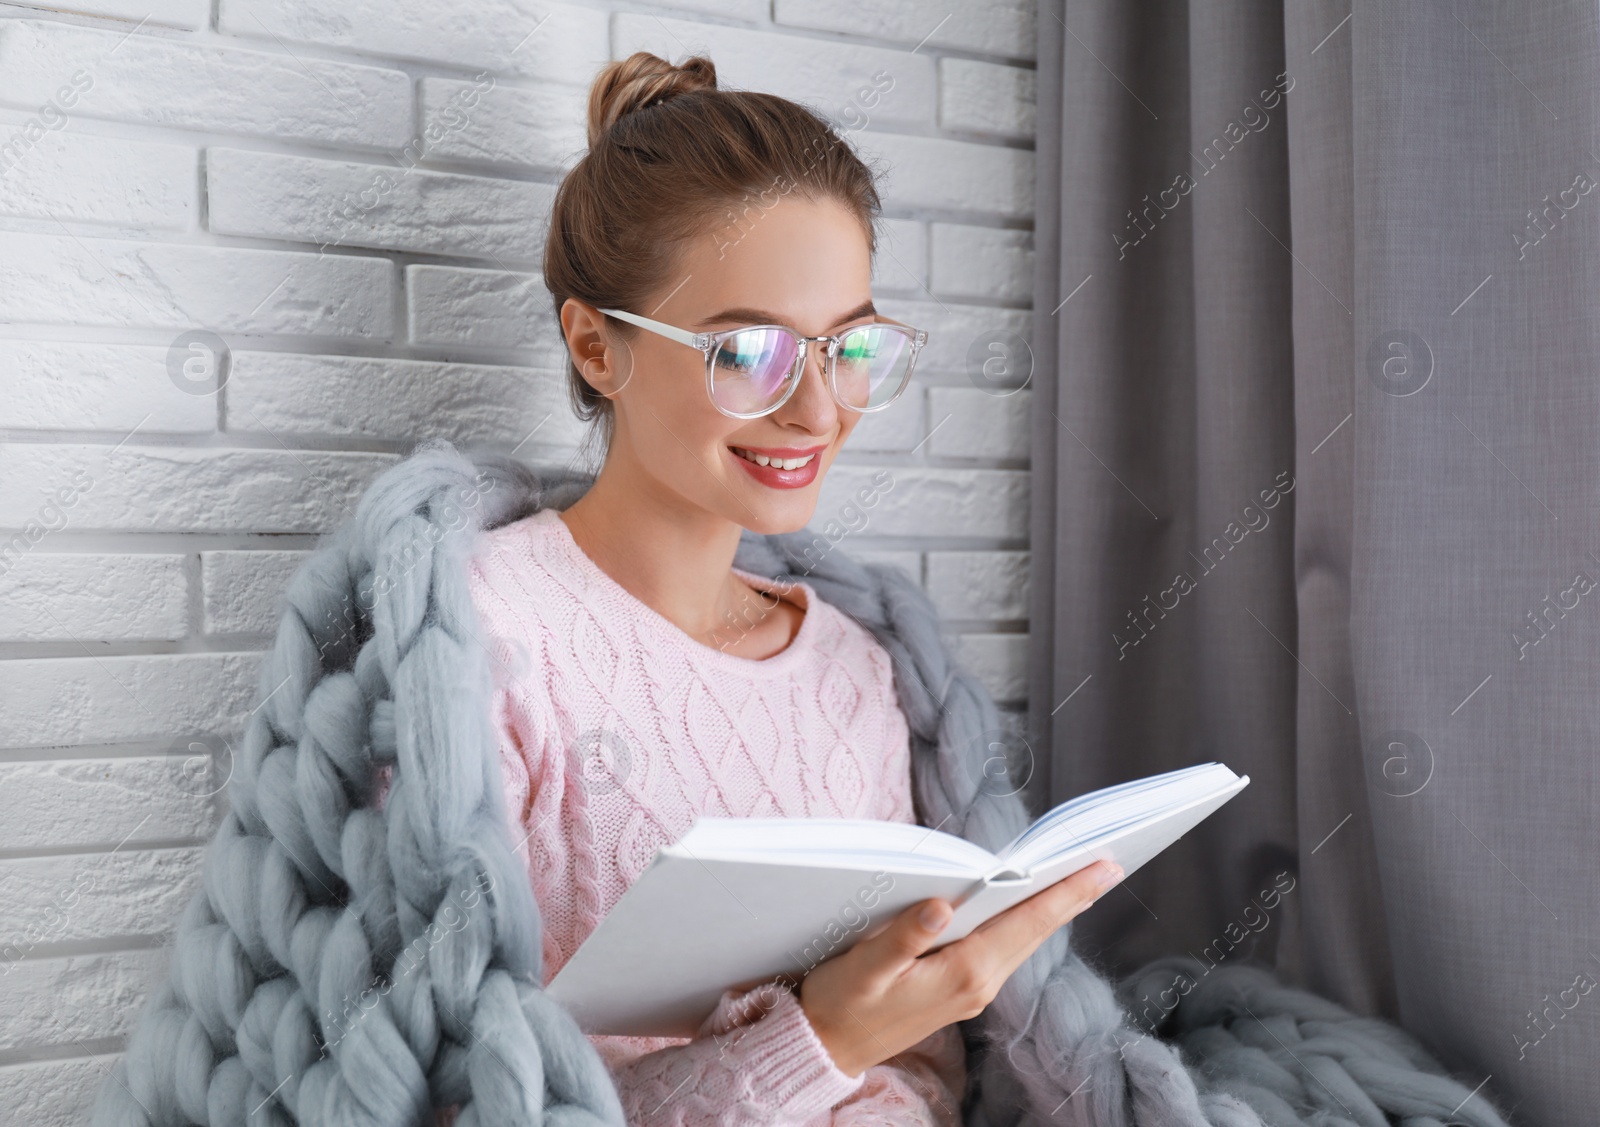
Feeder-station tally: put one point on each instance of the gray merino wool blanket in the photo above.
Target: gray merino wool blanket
(349, 966)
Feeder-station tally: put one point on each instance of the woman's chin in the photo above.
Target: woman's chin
(769, 516)
(777, 524)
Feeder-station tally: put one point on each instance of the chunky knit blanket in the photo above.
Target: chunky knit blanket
(344, 965)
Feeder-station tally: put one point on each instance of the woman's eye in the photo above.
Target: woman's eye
(861, 346)
(735, 359)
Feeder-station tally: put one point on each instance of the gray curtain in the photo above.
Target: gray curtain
(1316, 495)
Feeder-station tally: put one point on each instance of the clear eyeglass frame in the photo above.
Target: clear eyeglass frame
(708, 343)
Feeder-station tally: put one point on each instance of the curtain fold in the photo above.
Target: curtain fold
(1315, 406)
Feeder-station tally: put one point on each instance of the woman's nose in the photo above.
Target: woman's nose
(812, 403)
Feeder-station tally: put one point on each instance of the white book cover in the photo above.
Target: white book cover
(740, 901)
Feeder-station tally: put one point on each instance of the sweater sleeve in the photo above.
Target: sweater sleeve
(754, 1060)
(768, 1071)
(921, 1086)
(757, 1060)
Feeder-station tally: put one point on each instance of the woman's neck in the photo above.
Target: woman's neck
(677, 560)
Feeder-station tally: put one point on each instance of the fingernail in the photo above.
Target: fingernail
(930, 916)
(1111, 875)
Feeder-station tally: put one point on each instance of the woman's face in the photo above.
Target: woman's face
(796, 262)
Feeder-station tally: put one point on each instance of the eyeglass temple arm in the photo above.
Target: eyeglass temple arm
(702, 341)
(672, 332)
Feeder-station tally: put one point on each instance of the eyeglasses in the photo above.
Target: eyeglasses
(752, 371)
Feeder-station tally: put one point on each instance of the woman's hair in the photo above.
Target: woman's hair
(672, 158)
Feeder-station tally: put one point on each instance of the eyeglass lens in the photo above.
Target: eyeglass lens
(752, 368)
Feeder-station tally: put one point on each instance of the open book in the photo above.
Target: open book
(740, 901)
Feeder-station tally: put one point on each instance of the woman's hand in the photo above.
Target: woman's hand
(884, 995)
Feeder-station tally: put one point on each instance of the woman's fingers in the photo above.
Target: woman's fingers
(1005, 940)
(964, 974)
(909, 934)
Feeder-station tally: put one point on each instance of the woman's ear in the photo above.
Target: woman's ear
(604, 361)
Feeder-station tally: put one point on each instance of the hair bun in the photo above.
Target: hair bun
(642, 80)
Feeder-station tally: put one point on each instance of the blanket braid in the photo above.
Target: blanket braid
(343, 965)
(348, 965)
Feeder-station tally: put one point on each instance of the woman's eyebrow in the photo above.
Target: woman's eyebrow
(746, 315)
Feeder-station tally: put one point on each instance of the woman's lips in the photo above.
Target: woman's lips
(776, 477)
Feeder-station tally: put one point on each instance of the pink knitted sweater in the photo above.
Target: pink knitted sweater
(616, 729)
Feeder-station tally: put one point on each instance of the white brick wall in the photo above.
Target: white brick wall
(353, 198)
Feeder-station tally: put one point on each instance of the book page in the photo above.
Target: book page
(1080, 822)
(845, 842)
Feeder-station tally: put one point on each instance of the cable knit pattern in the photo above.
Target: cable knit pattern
(616, 730)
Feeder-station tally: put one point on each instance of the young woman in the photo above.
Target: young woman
(625, 635)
